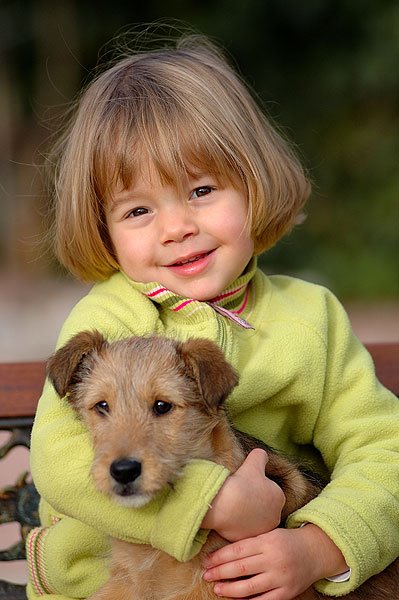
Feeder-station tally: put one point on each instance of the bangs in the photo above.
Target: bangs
(163, 133)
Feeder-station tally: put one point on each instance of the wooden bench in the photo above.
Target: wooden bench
(20, 388)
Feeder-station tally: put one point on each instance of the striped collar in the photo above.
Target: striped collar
(231, 303)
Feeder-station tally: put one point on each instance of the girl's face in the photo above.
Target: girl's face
(193, 242)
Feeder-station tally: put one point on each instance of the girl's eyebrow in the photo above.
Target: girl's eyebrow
(121, 198)
(128, 194)
(199, 176)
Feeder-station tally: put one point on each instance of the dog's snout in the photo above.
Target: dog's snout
(125, 470)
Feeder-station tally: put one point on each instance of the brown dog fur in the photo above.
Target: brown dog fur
(137, 377)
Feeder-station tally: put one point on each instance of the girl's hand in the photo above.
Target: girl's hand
(277, 565)
(248, 503)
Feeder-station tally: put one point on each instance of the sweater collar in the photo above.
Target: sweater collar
(230, 303)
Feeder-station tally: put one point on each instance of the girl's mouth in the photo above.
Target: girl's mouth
(192, 265)
(190, 260)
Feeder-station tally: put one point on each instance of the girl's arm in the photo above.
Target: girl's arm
(355, 519)
(357, 435)
(61, 455)
(66, 555)
(61, 468)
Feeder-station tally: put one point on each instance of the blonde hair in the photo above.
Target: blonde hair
(185, 108)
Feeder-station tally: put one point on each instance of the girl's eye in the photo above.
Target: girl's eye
(204, 190)
(138, 212)
(102, 408)
(160, 407)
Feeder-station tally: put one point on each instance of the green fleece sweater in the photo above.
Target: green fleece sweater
(307, 387)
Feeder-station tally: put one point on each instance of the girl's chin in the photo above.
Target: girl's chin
(202, 294)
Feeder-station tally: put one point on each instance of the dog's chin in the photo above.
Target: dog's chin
(130, 498)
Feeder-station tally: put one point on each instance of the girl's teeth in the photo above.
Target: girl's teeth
(190, 260)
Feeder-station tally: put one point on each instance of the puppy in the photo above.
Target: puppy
(151, 406)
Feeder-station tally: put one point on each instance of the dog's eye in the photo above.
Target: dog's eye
(160, 407)
(102, 408)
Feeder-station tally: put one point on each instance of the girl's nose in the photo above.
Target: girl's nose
(178, 225)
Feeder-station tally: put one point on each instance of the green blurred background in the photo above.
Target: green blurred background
(326, 71)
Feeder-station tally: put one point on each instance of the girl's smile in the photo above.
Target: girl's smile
(193, 264)
(194, 242)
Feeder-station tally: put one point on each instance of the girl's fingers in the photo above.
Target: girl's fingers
(254, 586)
(231, 552)
(251, 565)
(257, 459)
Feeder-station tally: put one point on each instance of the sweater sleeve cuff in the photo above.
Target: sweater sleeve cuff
(342, 577)
(177, 526)
(345, 533)
(66, 559)
(38, 576)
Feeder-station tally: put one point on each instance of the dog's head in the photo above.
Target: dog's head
(150, 404)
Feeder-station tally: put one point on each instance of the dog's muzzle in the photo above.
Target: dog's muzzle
(125, 473)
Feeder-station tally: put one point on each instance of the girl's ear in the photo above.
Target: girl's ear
(206, 363)
(63, 366)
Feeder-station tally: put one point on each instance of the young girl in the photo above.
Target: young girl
(170, 182)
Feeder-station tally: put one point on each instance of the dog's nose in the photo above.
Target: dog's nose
(125, 470)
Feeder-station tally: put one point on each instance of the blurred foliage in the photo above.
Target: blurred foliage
(326, 71)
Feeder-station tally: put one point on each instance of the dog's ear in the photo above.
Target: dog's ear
(205, 362)
(63, 367)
